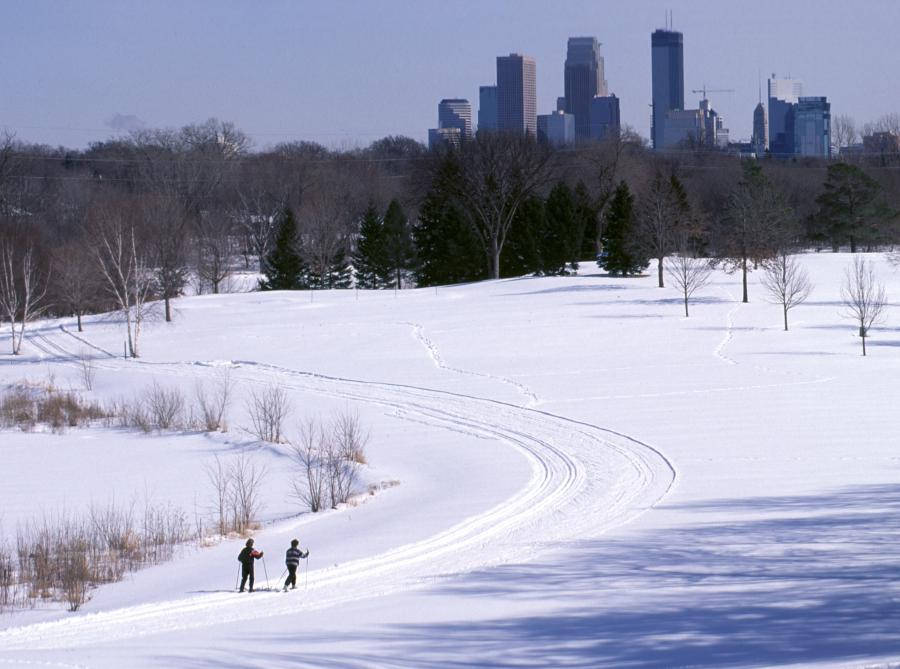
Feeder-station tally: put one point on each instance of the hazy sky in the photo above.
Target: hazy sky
(345, 73)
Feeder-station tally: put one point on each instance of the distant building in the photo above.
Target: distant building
(456, 113)
(561, 104)
(443, 137)
(487, 108)
(783, 96)
(694, 128)
(557, 129)
(605, 120)
(667, 55)
(584, 80)
(760, 139)
(881, 143)
(812, 127)
(516, 94)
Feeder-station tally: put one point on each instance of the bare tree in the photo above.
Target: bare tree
(124, 267)
(787, 282)
(22, 291)
(864, 297)
(218, 475)
(688, 273)
(757, 217)
(843, 131)
(166, 226)
(75, 279)
(215, 249)
(662, 211)
(499, 171)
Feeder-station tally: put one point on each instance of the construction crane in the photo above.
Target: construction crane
(706, 90)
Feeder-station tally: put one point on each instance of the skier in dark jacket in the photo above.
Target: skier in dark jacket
(246, 558)
(292, 560)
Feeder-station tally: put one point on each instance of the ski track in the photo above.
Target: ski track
(585, 481)
(437, 358)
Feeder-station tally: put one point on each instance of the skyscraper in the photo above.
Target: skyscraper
(487, 108)
(812, 127)
(557, 129)
(456, 113)
(604, 116)
(584, 80)
(783, 97)
(667, 55)
(516, 94)
(760, 139)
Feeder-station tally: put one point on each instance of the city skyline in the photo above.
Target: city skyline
(73, 75)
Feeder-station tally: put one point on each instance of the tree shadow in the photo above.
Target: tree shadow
(568, 289)
(809, 578)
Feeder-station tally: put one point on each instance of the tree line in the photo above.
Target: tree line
(144, 218)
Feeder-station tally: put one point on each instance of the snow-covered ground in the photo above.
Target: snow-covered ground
(587, 479)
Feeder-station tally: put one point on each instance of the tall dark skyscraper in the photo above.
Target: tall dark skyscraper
(667, 52)
(516, 94)
(487, 108)
(584, 80)
(456, 113)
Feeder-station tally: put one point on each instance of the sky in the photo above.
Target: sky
(344, 73)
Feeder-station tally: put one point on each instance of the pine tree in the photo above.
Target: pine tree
(398, 245)
(586, 211)
(446, 247)
(369, 260)
(283, 267)
(620, 253)
(522, 249)
(562, 234)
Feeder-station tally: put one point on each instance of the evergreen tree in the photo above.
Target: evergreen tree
(446, 247)
(283, 267)
(369, 260)
(851, 209)
(398, 245)
(620, 253)
(560, 244)
(522, 250)
(586, 211)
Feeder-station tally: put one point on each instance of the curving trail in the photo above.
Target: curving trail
(585, 480)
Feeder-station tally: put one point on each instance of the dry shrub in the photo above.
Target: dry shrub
(268, 408)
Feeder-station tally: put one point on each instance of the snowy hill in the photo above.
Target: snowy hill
(586, 478)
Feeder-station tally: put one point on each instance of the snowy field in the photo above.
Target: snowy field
(586, 479)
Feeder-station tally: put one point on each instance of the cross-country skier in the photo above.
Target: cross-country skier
(292, 560)
(246, 558)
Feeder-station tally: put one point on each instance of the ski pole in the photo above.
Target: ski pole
(237, 578)
(266, 572)
(279, 578)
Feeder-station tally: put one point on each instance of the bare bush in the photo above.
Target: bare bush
(165, 406)
(87, 368)
(246, 487)
(864, 297)
(268, 408)
(310, 482)
(213, 404)
(327, 461)
(218, 476)
(25, 406)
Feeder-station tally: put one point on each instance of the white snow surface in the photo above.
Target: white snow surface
(586, 479)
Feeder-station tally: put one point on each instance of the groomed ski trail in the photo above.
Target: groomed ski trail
(585, 480)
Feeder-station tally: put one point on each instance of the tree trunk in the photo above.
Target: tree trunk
(78, 314)
(744, 272)
(686, 306)
(168, 310)
(785, 318)
(863, 337)
(852, 244)
(495, 260)
(659, 271)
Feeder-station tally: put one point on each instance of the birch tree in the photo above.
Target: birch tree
(22, 291)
